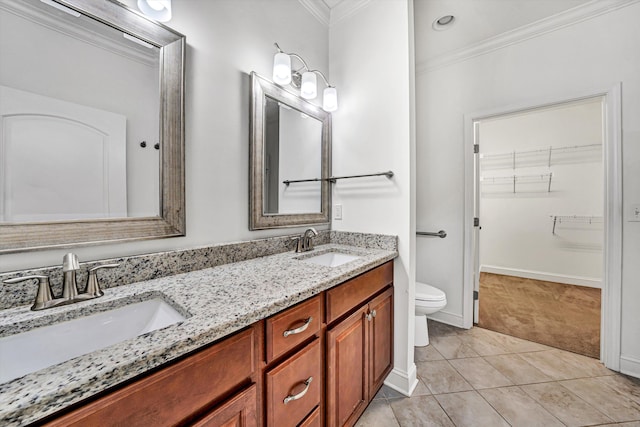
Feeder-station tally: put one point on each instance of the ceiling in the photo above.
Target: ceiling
(476, 20)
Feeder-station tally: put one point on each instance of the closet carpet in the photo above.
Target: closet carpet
(558, 315)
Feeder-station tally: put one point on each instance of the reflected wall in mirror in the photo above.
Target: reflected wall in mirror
(81, 86)
(290, 159)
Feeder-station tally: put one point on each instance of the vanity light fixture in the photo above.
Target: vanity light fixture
(160, 10)
(303, 78)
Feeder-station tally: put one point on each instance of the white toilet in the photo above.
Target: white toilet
(428, 300)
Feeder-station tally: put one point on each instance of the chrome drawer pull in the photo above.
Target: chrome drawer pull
(300, 329)
(307, 383)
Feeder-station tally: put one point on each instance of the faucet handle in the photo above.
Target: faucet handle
(44, 295)
(297, 243)
(93, 286)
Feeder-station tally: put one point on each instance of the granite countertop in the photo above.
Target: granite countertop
(217, 302)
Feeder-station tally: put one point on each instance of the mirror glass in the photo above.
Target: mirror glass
(290, 158)
(77, 98)
(91, 125)
(292, 152)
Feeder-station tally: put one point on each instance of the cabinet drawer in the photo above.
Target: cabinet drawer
(298, 381)
(313, 420)
(238, 411)
(169, 396)
(352, 293)
(287, 329)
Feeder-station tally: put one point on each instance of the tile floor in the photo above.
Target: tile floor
(483, 378)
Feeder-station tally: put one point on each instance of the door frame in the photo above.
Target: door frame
(612, 248)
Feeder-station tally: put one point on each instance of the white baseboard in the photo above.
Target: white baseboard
(630, 366)
(403, 382)
(540, 275)
(444, 316)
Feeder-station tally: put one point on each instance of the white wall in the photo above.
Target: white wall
(516, 237)
(226, 40)
(576, 59)
(371, 66)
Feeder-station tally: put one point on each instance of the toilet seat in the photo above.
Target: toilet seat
(429, 293)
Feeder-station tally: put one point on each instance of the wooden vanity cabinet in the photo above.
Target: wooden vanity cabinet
(342, 339)
(179, 393)
(359, 347)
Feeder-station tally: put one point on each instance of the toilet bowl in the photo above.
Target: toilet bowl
(429, 299)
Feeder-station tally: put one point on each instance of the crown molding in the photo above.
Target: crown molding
(590, 10)
(345, 9)
(318, 9)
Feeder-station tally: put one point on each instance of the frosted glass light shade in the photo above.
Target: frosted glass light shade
(309, 87)
(330, 99)
(282, 69)
(160, 10)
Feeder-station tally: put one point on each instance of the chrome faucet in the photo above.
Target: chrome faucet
(304, 243)
(70, 294)
(70, 265)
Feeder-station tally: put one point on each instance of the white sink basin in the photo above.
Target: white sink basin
(331, 259)
(38, 348)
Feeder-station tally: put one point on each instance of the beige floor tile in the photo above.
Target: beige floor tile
(452, 347)
(470, 409)
(439, 329)
(604, 398)
(518, 370)
(378, 414)
(390, 393)
(628, 386)
(550, 364)
(516, 345)
(630, 424)
(380, 394)
(565, 405)
(591, 366)
(440, 377)
(482, 342)
(518, 408)
(479, 373)
(421, 389)
(424, 354)
(420, 411)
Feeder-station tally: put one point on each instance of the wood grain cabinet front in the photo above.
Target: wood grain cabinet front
(294, 387)
(175, 394)
(359, 357)
(287, 329)
(238, 411)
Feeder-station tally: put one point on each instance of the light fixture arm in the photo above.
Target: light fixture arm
(305, 66)
(303, 78)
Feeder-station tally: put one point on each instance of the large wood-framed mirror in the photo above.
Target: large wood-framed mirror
(92, 125)
(290, 159)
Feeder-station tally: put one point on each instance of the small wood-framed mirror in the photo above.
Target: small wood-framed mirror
(290, 159)
(149, 103)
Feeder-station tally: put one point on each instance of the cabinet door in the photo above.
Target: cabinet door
(239, 411)
(347, 378)
(380, 340)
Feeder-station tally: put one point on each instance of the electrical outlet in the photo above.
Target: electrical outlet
(337, 212)
(635, 213)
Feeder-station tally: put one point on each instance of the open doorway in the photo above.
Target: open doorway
(539, 196)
